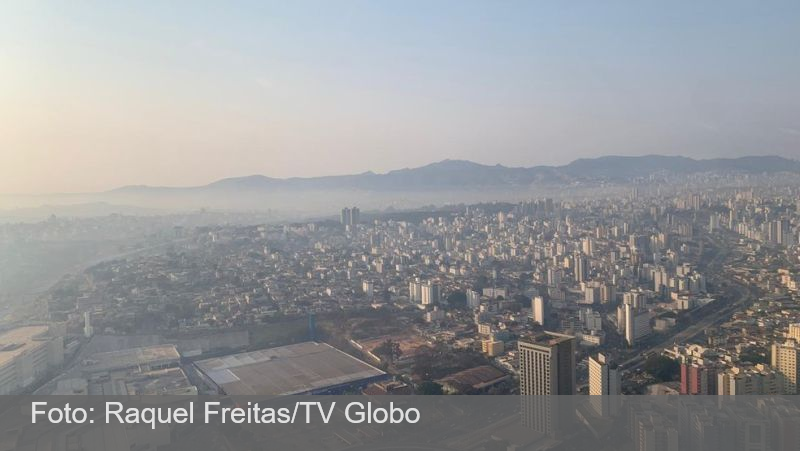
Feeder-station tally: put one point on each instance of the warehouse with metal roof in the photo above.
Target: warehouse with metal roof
(302, 368)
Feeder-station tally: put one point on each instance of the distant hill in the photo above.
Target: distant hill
(461, 174)
(622, 168)
(442, 183)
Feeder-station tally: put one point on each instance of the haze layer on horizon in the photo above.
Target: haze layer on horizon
(96, 96)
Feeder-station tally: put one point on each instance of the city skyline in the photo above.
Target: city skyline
(579, 221)
(179, 96)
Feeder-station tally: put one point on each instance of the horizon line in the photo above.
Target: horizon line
(370, 172)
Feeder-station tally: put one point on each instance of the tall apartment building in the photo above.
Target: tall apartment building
(634, 298)
(785, 361)
(636, 324)
(605, 384)
(591, 319)
(758, 380)
(581, 268)
(350, 216)
(546, 367)
(368, 287)
(415, 291)
(554, 276)
(538, 310)
(431, 293)
(698, 378)
(473, 299)
(592, 294)
(424, 293)
(547, 364)
(794, 332)
(88, 330)
(587, 246)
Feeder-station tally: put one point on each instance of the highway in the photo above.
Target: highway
(715, 268)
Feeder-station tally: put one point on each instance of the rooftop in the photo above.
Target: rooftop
(170, 381)
(20, 340)
(546, 339)
(127, 358)
(477, 377)
(293, 369)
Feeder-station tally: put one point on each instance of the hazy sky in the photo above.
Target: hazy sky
(94, 95)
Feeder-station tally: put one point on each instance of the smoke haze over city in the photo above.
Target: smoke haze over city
(318, 221)
(96, 97)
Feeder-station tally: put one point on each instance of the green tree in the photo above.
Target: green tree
(424, 362)
(388, 350)
(457, 300)
(430, 388)
(754, 355)
(662, 368)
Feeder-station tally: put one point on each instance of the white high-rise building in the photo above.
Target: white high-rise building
(538, 309)
(592, 294)
(629, 324)
(785, 361)
(415, 291)
(660, 279)
(605, 382)
(634, 298)
(431, 293)
(587, 245)
(88, 330)
(637, 324)
(591, 319)
(368, 288)
(758, 380)
(473, 299)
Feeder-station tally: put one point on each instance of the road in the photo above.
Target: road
(692, 331)
(715, 268)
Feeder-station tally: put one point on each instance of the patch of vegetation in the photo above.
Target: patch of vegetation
(436, 362)
(429, 388)
(662, 368)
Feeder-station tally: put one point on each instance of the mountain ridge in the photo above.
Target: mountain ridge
(455, 173)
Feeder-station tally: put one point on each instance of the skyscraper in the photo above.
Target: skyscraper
(547, 364)
(350, 216)
(587, 245)
(581, 268)
(546, 367)
(605, 382)
(630, 325)
(473, 299)
(415, 291)
(636, 324)
(88, 330)
(368, 287)
(431, 293)
(785, 362)
(538, 310)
